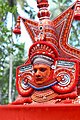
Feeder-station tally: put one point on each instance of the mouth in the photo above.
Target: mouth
(39, 80)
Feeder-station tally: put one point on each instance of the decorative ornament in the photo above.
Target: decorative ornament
(17, 29)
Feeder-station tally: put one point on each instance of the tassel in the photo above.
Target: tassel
(17, 29)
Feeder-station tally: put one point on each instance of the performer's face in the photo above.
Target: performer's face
(41, 73)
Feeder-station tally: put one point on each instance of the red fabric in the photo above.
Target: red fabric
(40, 112)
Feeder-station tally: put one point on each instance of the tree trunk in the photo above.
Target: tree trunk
(10, 80)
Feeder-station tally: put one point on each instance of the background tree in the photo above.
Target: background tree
(8, 46)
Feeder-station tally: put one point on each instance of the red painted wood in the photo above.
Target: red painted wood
(40, 112)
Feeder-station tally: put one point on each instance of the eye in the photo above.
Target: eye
(35, 70)
(42, 69)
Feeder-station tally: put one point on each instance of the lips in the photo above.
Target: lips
(39, 78)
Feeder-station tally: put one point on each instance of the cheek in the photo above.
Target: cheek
(46, 73)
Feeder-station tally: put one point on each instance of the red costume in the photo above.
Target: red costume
(52, 71)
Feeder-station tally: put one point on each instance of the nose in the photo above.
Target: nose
(37, 74)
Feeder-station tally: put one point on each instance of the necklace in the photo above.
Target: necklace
(43, 96)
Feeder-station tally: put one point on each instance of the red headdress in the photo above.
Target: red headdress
(55, 31)
(44, 50)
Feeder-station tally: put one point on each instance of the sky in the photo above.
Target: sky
(24, 34)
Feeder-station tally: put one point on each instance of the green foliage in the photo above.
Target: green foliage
(17, 60)
(5, 8)
(7, 47)
(30, 11)
(74, 37)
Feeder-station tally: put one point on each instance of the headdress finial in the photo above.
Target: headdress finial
(77, 10)
(43, 9)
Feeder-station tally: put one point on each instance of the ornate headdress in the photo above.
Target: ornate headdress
(54, 31)
(42, 52)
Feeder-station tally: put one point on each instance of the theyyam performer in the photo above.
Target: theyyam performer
(51, 73)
